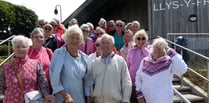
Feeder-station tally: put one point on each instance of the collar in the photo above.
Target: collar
(108, 58)
(17, 60)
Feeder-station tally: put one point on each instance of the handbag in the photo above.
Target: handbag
(29, 97)
(33, 97)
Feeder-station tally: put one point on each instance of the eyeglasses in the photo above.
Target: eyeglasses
(139, 38)
(87, 31)
(20, 46)
(99, 33)
(41, 24)
(119, 25)
(53, 25)
(97, 44)
(47, 29)
(36, 37)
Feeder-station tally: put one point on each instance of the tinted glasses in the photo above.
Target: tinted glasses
(97, 44)
(141, 38)
(47, 28)
(118, 25)
(87, 31)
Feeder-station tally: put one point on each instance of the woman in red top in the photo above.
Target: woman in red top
(39, 52)
(30, 72)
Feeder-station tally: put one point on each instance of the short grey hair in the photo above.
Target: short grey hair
(136, 22)
(120, 22)
(91, 26)
(161, 44)
(74, 29)
(100, 29)
(19, 38)
(36, 31)
(85, 26)
(108, 37)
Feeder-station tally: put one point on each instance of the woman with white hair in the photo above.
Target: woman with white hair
(155, 74)
(69, 70)
(87, 46)
(23, 75)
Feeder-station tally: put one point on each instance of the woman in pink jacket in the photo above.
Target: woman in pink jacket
(134, 57)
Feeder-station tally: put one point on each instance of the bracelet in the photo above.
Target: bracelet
(66, 96)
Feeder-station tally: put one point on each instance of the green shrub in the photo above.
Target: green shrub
(3, 50)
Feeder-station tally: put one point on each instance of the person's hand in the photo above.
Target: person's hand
(49, 98)
(68, 99)
(145, 44)
(141, 100)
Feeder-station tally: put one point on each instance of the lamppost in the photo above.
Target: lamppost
(56, 11)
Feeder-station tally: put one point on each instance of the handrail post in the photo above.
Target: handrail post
(9, 48)
(181, 77)
(208, 77)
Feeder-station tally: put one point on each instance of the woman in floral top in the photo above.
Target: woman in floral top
(30, 71)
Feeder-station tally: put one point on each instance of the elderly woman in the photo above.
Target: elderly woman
(23, 69)
(87, 46)
(134, 57)
(51, 40)
(39, 52)
(135, 26)
(98, 51)
(128, 38)
(118, 35)
(155, 74)
(69, 70)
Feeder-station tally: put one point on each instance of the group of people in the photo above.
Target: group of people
(112, 64)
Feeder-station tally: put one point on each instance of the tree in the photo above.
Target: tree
(17, 19)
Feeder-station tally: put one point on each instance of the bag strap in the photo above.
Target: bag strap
(48, 52)
(18, 78)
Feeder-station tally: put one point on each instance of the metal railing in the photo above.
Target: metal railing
(9, 51)
(185, 100)
(8, 43)
(194, 72)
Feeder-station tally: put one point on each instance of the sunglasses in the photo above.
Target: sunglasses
(41, 24)
(47, 29)
(97, 44)
(139, 38)
(99, 34)
(87, 31)
(119, 25)
(36, 37)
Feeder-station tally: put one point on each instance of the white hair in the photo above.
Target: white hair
(74, 29)
(161, 44)
(36, 31)
(91, 26)
(19, 38)
(85, 26)
(136, 22)
(108, 37)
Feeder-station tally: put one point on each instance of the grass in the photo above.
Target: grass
(199, 66)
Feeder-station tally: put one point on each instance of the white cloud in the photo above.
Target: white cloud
(45, 8)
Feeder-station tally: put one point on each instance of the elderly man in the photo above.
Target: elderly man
(110, 74)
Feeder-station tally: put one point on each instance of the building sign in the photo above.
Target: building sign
(176, 4)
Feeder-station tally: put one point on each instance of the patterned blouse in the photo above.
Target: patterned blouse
(32, 75)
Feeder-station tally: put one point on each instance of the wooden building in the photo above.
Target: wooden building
(157, 17)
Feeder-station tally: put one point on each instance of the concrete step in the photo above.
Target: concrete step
(191, 97)
(176, 81)
(183, 89)
(1, 98)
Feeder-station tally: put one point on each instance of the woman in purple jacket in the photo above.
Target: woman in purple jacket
(134, 57)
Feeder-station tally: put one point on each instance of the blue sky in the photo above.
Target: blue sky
(45, 8)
